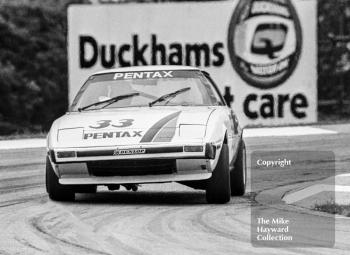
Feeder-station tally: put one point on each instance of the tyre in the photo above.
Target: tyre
(218, 186)
(56, 191)
(239, 173)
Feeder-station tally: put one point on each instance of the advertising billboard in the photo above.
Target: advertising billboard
(261, 53)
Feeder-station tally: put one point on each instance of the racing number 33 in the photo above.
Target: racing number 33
(107, 123)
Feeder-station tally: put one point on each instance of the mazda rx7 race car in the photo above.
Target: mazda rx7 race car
(139, 125)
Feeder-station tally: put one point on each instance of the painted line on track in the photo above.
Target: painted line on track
(339, 187)
(286, 131)
(313, 190)
(22, 144)
(343, 175)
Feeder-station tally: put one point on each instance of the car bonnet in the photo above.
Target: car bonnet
(129, 126)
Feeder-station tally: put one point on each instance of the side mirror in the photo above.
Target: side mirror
(229, 98)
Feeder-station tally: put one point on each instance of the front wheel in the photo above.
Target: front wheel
(57, 191)
(239, 172)
(218, 186)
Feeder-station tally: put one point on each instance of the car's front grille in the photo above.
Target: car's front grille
(132, 167)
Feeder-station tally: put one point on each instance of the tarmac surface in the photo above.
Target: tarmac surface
(167, 218)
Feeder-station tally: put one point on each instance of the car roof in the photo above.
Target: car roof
(148, 68)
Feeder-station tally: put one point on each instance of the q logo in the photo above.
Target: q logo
(265, 41)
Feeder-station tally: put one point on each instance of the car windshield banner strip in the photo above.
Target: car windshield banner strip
(145, 75)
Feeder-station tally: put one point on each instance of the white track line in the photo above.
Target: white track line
(342, 190)
(286, 131)
(313, 190)
(307, 192)
(343, 175)
(22, 144)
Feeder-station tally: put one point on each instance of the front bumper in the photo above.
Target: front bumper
(193, 162)
(86, 180)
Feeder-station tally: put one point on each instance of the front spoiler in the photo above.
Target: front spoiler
(176, 177)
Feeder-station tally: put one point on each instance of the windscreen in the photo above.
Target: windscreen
(184, 88)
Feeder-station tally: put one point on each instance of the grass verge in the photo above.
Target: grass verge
(333, 208)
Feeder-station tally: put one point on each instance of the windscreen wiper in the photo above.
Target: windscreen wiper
(109, 101)
(170, 95)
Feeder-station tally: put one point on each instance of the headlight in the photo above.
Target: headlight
(66, 154)
(192, 131)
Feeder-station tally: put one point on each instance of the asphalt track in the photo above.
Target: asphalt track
(158, 219)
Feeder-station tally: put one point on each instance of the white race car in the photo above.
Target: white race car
(139, 125)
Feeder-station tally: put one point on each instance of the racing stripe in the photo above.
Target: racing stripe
(153, 131)
(167, 133)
